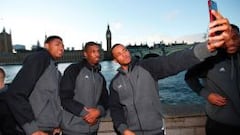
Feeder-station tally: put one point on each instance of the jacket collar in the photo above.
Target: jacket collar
(95, 68)
(131, 65)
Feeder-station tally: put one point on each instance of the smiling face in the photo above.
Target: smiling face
(92, 54)
(121, 55)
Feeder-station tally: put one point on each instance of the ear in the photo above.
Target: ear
(115, 60)
(46, 46)
(85, 54)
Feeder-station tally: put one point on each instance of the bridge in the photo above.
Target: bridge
(162, 51)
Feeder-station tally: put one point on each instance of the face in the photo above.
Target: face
(55, 48)
(1, 76)
(233, 47)
(92, 54)
(121, 55)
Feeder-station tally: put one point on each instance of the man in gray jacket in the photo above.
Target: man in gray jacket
(34, 93)
(84, 94)
(217, 79)
(134, 99)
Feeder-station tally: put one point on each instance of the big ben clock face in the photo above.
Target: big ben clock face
(108, 35)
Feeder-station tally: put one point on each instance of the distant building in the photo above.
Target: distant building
(161, 44)
(36, 47)
(109, 39)
(137, 48)
(19, 47)
(5, 42)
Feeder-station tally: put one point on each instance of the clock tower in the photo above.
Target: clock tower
(109, 39)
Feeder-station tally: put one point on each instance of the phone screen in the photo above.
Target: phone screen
(212, 5)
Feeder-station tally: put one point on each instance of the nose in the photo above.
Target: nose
(61, 47)
(125, 53)
(98, 54)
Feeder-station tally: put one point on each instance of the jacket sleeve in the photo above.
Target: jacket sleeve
(116, 111)
(67, 86)
(21, 88)
(164, 66)
(104, 98)
(194, 75)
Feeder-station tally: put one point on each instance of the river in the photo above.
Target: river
(173, 90)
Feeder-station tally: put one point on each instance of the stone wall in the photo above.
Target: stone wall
(178, 120)
(184, 119)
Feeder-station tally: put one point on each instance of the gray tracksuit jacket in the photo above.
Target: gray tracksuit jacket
(34, 94)
(82, 85)
(134, 99)
(219, 74)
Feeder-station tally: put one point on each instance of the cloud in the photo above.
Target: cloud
(170, 16)
(198, 37)
(116, 25)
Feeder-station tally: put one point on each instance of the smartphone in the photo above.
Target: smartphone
(212, 5)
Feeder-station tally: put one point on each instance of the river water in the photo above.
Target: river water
(173, 90)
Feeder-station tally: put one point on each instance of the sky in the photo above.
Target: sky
(130, 21)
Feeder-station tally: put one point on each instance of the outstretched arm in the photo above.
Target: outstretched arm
(193, 78)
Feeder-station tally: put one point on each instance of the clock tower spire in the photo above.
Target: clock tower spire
(109, 39)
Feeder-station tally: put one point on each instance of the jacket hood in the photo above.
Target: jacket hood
(234, 58)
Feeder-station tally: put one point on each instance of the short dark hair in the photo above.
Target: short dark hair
(235, 27)
(51, 38)
(3, 72)
(114, 46)
(90, 43)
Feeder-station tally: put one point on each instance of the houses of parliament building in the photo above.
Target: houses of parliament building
(8, 57)
(5, 42)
